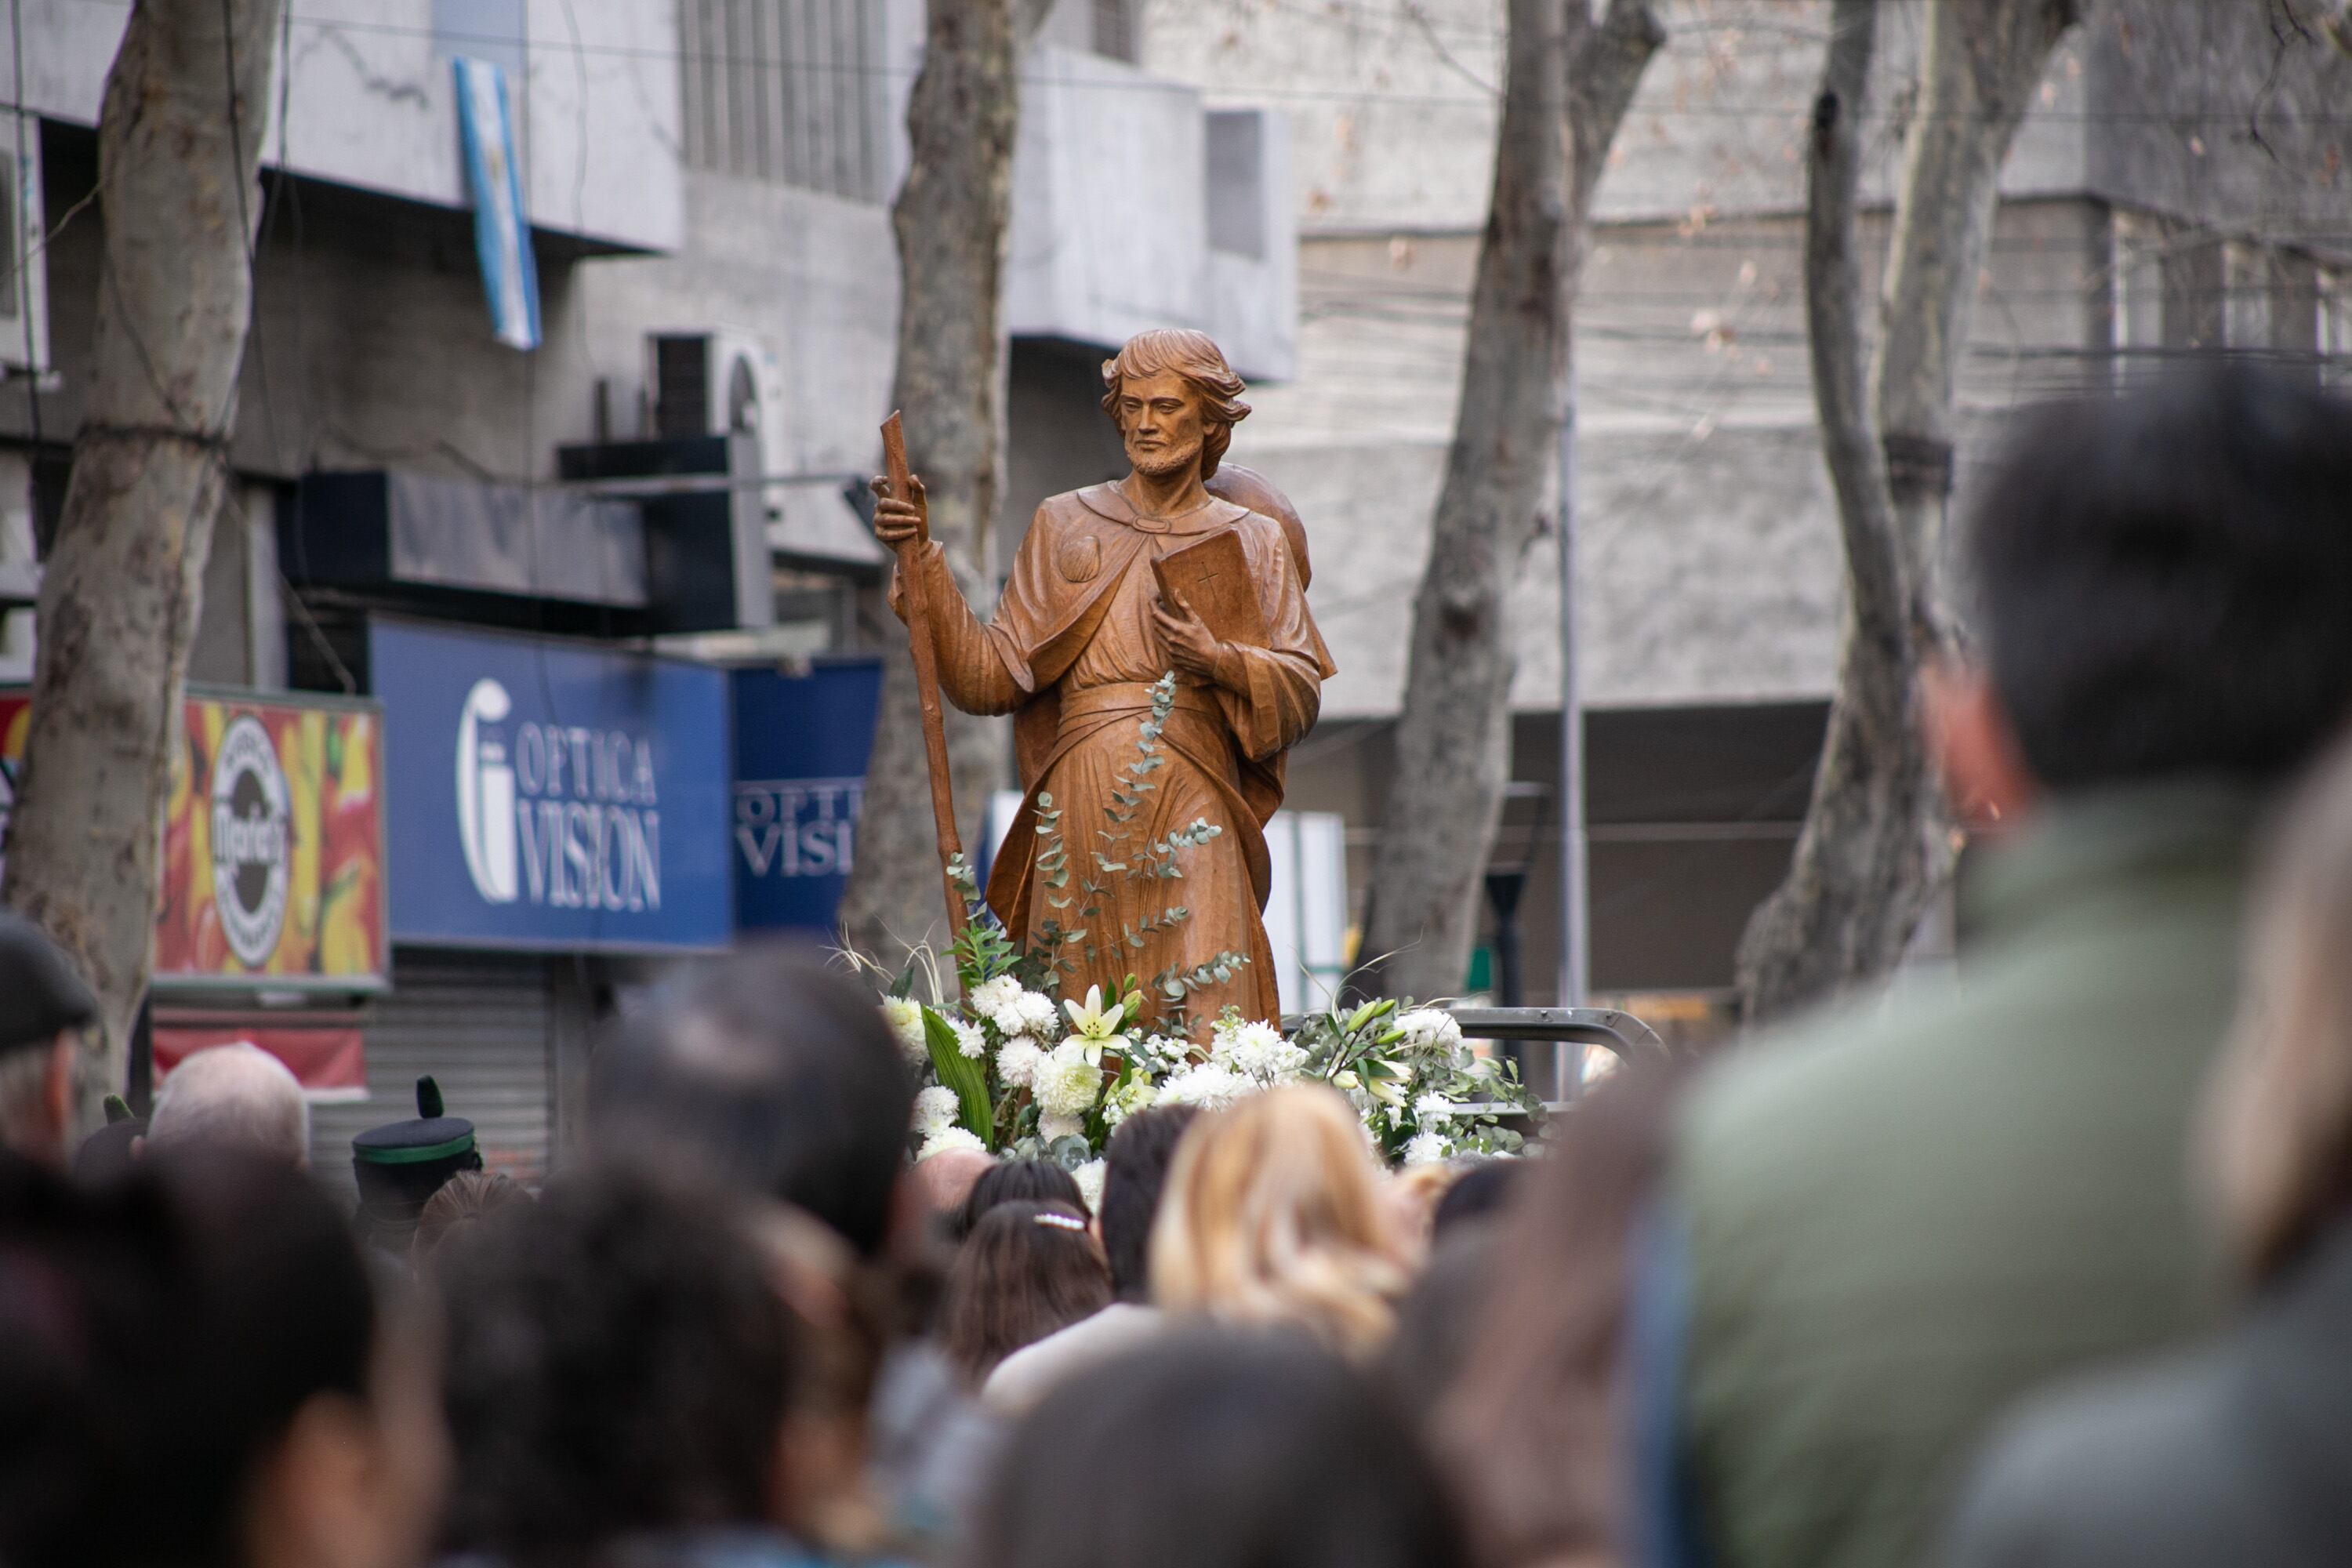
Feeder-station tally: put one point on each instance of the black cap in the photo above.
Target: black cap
(400, 1166)
(40, 995)
(430, 1138)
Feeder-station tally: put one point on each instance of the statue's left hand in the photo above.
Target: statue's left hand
(1192, 648)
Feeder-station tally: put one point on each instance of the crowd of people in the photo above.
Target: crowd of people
(2032, 1265)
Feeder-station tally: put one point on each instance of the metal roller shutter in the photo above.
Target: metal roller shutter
(483, 1026)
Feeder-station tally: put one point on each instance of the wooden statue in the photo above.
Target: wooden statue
(1112, 587)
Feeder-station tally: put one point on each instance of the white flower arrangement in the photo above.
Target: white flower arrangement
(949, 1138)
(1017, 1061)
(969, 1040)
(904, 1017)
(1066, 1084)
(935, 1110)
(1089, 1177)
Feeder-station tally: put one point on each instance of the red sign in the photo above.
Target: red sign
(273, 844)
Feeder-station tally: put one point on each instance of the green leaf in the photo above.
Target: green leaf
(905, 984)
(965, 1075)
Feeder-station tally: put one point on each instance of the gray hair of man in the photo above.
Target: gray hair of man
(237, 1094)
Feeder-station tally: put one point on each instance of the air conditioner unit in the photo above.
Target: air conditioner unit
(720, 382)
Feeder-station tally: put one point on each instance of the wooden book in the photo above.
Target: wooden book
(1213, 576)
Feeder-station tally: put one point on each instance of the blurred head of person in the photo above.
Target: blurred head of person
(774, 1075)
(1235, 1452)
(464, 1201)
(944, 1180)
(2278, 1126)
(2158, 580)
(1026, 1270)
(1480, 1193)
(1274, 1214)
(1412, 1196)
(1017, 1182)
(197, 1375)
(1135, 1177)
(617, 1373)
(236, 1096)
(1528, 1431)
(44, 1006)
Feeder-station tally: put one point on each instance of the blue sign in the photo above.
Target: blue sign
(551, 796)
(801, 746)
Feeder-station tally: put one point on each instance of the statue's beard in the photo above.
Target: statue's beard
(1159, 462)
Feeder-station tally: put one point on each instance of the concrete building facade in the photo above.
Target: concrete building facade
(2179, 186)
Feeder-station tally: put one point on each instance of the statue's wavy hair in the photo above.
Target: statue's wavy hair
(1202, 365)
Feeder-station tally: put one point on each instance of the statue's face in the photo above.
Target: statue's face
(1160, 424)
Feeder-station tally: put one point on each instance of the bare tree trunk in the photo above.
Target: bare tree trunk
(178, 145)
(1567, 85)
(951, 219)
(1875, 849)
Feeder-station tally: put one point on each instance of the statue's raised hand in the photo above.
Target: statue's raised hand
(896, 521)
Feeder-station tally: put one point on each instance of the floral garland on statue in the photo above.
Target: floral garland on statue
(1013, 1069)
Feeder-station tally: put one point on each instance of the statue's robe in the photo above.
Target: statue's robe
(1071, 653)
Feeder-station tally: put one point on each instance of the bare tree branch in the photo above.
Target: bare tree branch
(1567, 82)
(1875, 850)
(951, 217)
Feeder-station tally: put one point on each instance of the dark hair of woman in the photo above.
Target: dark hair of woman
(1236, 1450)
(1026, 1270)
(157, 1341)
(1528, 1434)
(617, 1366)
(1017, 1182)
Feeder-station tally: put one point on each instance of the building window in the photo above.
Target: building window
(2335, 329)
(1116, 29)
(790, 91)
(1237, 182)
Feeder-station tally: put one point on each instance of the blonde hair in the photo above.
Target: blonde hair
(1201, 364)
(2277, 1141)
(1273, 1215)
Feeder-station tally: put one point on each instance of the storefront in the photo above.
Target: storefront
(556, 819)
(801, 747)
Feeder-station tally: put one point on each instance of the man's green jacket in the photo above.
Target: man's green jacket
(1898, 1220)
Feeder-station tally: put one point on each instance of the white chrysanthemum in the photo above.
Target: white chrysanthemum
(1207, 1085)
(1430, 1027)
(906, 1017)
(1426, 1148)
(935, 1110)
(1065, 1083)
(949, 1138)
(1435, 1109)
(1030, 1012)
(1089, 1177)
(1054, 1128)
(969, 1040)
(1016, 1061)
(1258, 1051)
(990, 998)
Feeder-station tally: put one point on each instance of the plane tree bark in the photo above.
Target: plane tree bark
(1569, 78)
(951, 219)
(1875, 847)
(178, 142)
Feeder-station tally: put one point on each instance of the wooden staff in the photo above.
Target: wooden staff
(927, 675)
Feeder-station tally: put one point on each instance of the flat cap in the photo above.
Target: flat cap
(40, 993)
